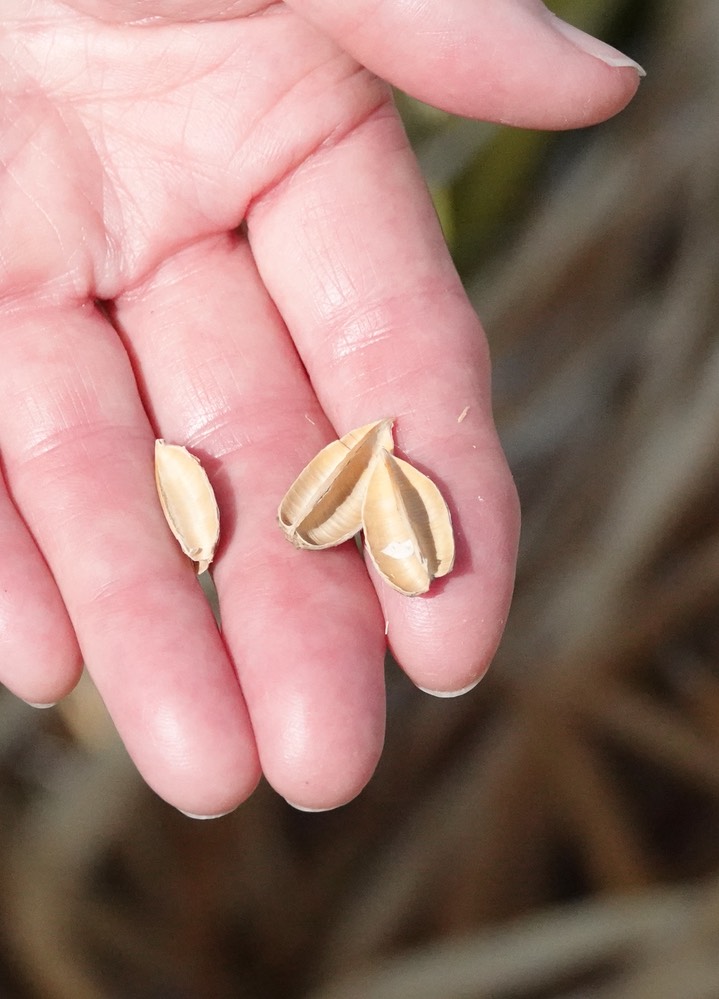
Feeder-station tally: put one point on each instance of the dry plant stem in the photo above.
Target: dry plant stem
(591, 807)
(533, 954)
(656, 732)
(59, 833)
(397, 886)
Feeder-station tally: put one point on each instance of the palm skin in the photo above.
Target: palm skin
(137, 139)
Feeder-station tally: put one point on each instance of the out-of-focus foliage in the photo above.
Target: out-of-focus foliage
(485, 178)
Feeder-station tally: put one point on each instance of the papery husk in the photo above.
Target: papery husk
(407, 526)
(323, 506)
(188, 502)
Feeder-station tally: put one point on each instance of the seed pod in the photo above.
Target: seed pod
(323, 506)
(188, 502)
(407, 526)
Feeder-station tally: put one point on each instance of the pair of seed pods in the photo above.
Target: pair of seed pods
(355, 483)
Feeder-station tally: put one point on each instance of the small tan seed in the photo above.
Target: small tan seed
(188, 502)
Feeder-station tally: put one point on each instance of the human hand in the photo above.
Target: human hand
(131, 153)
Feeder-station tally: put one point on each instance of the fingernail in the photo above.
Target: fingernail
(450, 693)
(302, 808)
(191, 815)
(31, 704)
(593, 46)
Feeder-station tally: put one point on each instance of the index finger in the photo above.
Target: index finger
(350, 249)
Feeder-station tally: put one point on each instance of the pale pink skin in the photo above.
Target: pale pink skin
(130, 153)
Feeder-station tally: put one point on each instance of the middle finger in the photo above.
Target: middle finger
(220, 375)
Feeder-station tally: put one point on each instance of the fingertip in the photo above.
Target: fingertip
(194, 746)
(454, 668)
(219, 794)
(595, 47)
(42, 683)
(330, 777)
(208, 785)
(312, 670)
(40, 661)
(445, 641)
(325, 793)
(322, 766)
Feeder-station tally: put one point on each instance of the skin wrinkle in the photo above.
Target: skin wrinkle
(39, 152)
(69, 419)
(110, 594)
(350, 24)
(128, 175)
(41, 155)
(376, 98)
(275, 143)
(336, 286)
(368, 327)
(359, 335)
(156, 13)
(64, 469)
(341, 305)
(220, 436)
(105, 76)
(223, 433)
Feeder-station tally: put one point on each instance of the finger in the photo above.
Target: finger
(78, 454)
(305, 631)
(510, 61)
(351, 251)
(39, 657)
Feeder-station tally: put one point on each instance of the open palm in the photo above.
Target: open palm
(213, 231)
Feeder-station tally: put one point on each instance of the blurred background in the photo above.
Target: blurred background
(554, 834)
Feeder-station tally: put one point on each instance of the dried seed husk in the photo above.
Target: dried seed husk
(407, 526)
(323, 506)
(188, 502)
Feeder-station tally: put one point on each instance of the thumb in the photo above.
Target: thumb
(510, 61)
